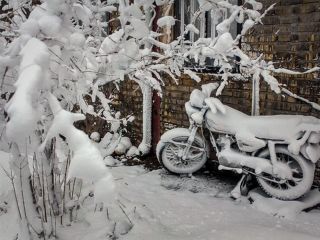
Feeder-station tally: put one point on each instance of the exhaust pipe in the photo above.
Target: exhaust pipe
(233, 159)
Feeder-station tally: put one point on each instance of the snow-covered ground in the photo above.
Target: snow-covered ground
(4, 180)
(155, 205)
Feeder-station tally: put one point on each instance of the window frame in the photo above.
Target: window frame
(180, 13)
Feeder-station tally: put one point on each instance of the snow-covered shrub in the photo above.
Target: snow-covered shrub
(54, 56)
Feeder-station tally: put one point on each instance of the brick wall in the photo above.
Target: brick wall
(236, 94)
(290, 36)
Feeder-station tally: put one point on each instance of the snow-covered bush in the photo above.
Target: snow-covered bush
(58, 52)
(55, 55)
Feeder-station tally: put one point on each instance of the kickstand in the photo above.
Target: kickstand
(236, 192)
(246, 185)
(243, 187)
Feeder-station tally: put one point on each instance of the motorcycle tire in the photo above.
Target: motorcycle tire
(303, 176)
(172, 142)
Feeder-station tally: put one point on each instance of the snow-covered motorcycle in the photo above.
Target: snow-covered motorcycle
(280, 151)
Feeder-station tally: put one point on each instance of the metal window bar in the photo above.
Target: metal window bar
(192, 9)
(203, 25)
(182, 16)
(206, 23)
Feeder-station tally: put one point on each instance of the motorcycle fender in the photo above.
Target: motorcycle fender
(173, 133)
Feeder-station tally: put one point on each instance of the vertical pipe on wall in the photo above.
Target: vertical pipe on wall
(151, 104)
(145, 144)
(255, 104)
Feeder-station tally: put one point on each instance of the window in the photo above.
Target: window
(186, 11)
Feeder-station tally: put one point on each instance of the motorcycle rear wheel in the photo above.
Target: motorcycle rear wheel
(303, 175)
(170, 159)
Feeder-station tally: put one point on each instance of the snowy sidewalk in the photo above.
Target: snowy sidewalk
(167, 207)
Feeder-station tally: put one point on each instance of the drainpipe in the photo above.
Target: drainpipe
(255, 105)
(145, 144)
(151, 101)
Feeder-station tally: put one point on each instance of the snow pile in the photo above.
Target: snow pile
(95, 136)
(133, 151)
(4, 178)
(123, 146)
(286, 209)
(152, 205)
(111, 161)
(118, 144)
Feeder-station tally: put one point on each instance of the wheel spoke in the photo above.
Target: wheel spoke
(297, 180)
(279, 186)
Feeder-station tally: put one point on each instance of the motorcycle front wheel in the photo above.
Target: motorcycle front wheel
(302, 176)
(170, 149)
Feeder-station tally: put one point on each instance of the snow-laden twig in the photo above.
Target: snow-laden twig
(314, 105)
(291, 72)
